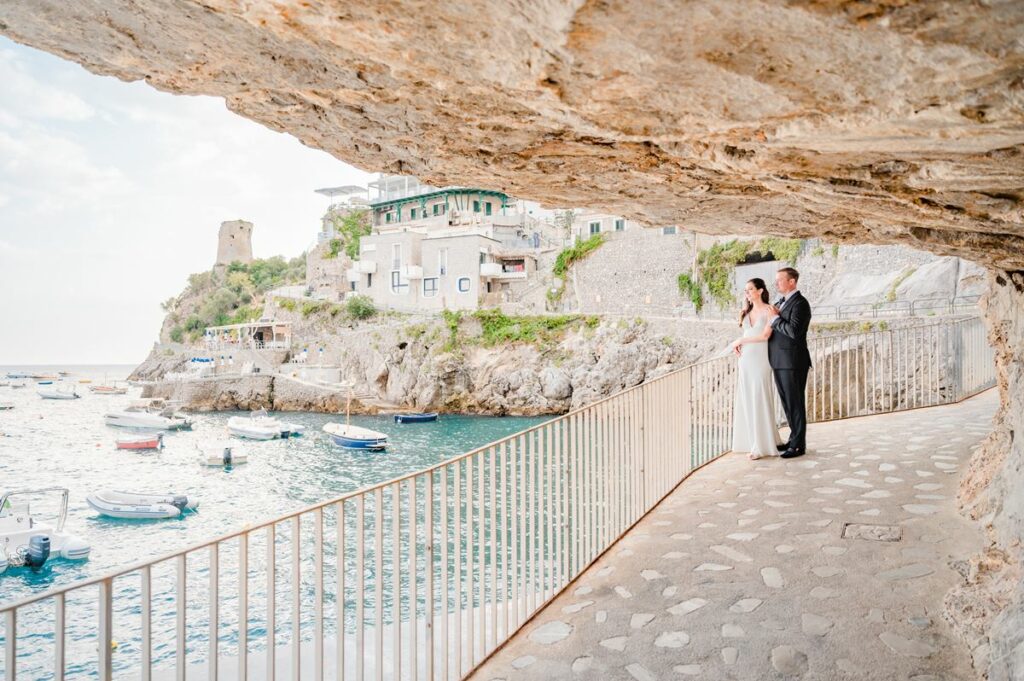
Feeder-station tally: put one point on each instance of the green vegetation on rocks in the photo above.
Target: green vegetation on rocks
(565, 260)
(717, 263)
(499, 328)
(228, 296)
(904, 275)
(575, 253)
(691, 290)
(360, 307)
(350, 226)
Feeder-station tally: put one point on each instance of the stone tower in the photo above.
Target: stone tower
(234, 243)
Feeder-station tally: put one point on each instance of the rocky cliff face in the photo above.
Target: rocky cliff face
(862, 122)
(423, 366)
(989, 607)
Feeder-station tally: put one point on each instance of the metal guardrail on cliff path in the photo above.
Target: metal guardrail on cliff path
(426, 575)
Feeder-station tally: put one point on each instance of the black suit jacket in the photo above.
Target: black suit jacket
(787, 348)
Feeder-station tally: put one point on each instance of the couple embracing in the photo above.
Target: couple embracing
(773, 355)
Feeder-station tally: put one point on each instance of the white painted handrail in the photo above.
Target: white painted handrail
(424, 576)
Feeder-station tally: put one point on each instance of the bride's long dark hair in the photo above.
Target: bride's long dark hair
(748, 306)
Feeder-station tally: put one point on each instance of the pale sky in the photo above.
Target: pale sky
(112, 193)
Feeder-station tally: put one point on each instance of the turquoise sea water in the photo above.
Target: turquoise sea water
(48, 443)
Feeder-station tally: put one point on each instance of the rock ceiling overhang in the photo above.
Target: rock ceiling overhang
(881, 121)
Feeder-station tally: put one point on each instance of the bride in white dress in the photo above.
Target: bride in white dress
(753, 428)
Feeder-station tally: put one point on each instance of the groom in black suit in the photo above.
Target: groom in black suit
(789, 357)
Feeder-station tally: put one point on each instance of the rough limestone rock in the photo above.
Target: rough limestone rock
(877, 121)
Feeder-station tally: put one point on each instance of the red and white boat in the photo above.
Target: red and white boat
(150, 441)
(107, 389)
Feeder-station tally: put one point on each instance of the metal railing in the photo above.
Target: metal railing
(899, 308)
(426, 575)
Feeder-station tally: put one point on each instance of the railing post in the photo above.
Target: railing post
(10, 644)
(104, 629)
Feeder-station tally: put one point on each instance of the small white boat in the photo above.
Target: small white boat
(221, 454)
(137, 417)
(261, 426)
(25, 541)
(58, 392)
(16, 385)
(140, 506)
(4, 406)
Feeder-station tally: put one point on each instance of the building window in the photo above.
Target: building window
(412, 214)
(487, 208)
(442, 262)
(387, 217)
(397, 285)
(476, 206)
(620, 225)
(595, 227)
(437, 208)
(396, 256)
(430, 287)
(369, 281)
(668, 230)
(352, 285)
(463, 284)
(483, 258)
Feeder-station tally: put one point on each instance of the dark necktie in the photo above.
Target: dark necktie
(781, 302)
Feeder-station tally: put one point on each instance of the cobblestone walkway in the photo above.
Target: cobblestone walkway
(744, 573)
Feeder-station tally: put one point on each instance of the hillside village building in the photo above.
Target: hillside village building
(455, 248)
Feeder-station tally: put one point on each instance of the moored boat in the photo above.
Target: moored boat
(107, 389)
(221, 454)
(416, 418)
(356, 437)
(260, 426)
(135, 417)
(58, 392)
(26, 541)
(4, 406)
(148, 441)
(140, 505)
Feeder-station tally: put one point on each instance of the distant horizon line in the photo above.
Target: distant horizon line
(67, 364)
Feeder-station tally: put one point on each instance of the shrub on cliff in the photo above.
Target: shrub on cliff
(360, 307)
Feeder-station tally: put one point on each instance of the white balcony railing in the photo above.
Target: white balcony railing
(426, 575)
(490, 269)
(365, 266)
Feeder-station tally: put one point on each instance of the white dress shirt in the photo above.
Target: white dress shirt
(785, 299)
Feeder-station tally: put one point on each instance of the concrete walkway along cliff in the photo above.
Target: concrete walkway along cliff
(828, 567)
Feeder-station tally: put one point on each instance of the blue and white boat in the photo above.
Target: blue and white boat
(355, 437)
(416, 418)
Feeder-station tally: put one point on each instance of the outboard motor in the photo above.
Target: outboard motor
(160, 441)
(227, 456)
(180, 502)
(38, 551)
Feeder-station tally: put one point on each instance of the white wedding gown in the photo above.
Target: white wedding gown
(753, 428)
